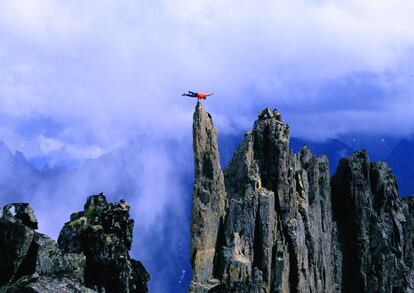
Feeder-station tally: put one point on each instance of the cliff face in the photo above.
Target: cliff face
(91, 254)
(370, 218)
(280, 224)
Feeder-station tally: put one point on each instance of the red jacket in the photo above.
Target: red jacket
(201, 96)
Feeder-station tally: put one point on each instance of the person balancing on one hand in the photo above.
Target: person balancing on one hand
(199, 96)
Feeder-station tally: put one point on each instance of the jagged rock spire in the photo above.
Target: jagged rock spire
(278, 203)
(278, 231)
(208, 199)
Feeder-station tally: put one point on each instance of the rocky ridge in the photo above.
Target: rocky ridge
(91, 254)
(274, 221)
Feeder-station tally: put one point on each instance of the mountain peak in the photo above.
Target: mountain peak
(269, 113)
(286, 225)
(4, 149)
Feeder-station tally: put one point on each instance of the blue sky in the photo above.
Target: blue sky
(80, 78)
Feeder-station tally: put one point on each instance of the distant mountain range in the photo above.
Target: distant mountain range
(397, 153)
(401, 161)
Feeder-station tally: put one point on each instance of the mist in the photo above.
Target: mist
(93, 90)
(154, 177)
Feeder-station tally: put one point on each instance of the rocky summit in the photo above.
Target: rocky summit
(275, 221)
(91, 254)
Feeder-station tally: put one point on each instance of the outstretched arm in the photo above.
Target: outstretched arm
(190, 94)
(210, 94)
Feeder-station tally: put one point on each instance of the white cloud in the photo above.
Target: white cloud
(48, 144)
(107, 70)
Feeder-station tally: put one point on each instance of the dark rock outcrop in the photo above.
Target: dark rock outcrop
(29, 260)
(370, 219)
(92, 254)
(16, 242)
(408, 229)
(282, 228)
(103, 233)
